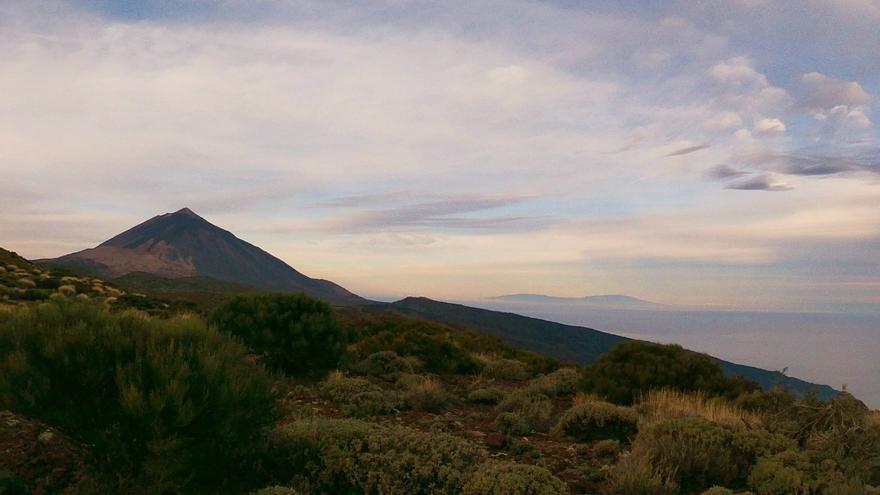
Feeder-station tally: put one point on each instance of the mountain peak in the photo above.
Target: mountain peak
(187, 212)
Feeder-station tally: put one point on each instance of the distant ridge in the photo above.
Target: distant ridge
(183, 244)
(604, 300)
(569, 343)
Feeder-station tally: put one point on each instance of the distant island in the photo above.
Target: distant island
(604, 300)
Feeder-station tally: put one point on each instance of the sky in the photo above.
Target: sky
(721, 153)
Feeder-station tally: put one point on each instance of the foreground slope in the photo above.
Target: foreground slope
(183, 244)
(567, 342)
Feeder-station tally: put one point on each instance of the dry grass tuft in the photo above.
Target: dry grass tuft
(583, 398)
(663, 404)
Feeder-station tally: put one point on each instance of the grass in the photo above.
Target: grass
(663, 404)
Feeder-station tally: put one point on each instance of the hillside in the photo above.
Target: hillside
(183, 244)
(566, 342)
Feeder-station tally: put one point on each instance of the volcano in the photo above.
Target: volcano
(183, 244)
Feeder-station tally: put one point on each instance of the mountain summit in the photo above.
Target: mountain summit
(183, 244)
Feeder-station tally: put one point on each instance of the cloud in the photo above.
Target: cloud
(688, 150)
(821, 92)
(757, 183)
(724, 172)
(770, 127)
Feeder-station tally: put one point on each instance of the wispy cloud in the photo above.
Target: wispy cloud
(757, 183)
(688, 150)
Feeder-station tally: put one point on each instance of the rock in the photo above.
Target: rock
(46, 436)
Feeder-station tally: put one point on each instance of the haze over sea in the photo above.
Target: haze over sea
(830, 348)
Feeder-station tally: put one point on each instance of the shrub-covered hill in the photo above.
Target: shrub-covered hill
(382, 403)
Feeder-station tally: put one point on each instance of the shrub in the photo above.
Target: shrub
(504, 478)
(631, 369)
(718, 490)
(559, 382)
(351, 456)
(606, 448)
(510, 423)
(703, 454)
(666, 403)
(506, 369)
(636, 475)
(165, 405)
(357, 396)
(277, 490)
(426, 394)
(386, 365)
(295, 333)
(487, 395)
(535, 407)
(597, 421)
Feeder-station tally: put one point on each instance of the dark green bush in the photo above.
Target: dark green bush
(386, 365)
(559, 382)
(438, 352)
(426, 394)
(506, 369)
(487, 395)
(702, 454)
(596, 420)
(635, 474)
(351, 456)
(534, 406)
(293, 332)
(358, 396)
(510, 423)
(164, 404)
(632, 368)
(505, 478)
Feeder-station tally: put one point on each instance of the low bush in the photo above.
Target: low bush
(702, 454)
(534, 407)
(426, 394)
(487, 395)
(358, 396)
(607, 448)
(597, 420)
(635, 474)
(386, 365)
(277, 490)
(504, 478)
(512, 424)
(559, 382)
(506, 369)
(666, 403)
(718, 490)
(351, 456)
(633, 368)
(164, 404)
(294, 333)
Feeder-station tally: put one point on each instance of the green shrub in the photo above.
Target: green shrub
(165, 404)
(277, 490)
(631, 369)
(504, 478)
(702, 454)
(487, 395)
(800, 472)
(386, 365)
(559, 382)
(607, 448)
(351, 456)
(506, 369)
(535, 407)
(358, 396)
(510, 423)
(426, 394)
(293, 332)
(718, 490)
(595, 420)
(636, 475)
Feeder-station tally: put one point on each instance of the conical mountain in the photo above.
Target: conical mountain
(183, 244)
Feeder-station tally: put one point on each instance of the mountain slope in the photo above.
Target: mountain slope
(183, 244)
(571, 343)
